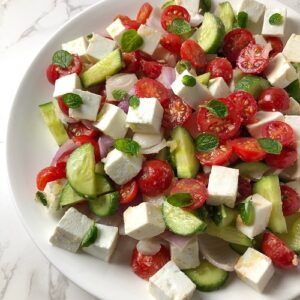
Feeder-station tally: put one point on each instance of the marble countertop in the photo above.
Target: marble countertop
(25, 25)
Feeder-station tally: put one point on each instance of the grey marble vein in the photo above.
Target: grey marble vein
(7, 272)
(58, 284)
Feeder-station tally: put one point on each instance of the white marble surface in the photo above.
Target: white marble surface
(25, 25)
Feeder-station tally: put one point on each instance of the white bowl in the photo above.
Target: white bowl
(30, 148)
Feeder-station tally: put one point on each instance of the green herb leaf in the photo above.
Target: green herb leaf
(41, 197)
(217, 108)
(205, 5)
(183, 65)
(270, 146)
(127, 146)
(131, 41)
(206, 142)
(90, 237)
(180, 199)
(247, 211)
(168, 3)
(188, 80)
(276, 19)
(180, 27)
(119, 94)
(89, 36)
(134, 101)
(242, 19)
(62, 58)
(72, 100)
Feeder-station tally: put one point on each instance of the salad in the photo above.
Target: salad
(180, 129)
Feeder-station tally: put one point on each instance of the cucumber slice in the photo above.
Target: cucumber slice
(252, 170)
(294, 90)
(90, 237)
(207, 277)
(180, 221)
(81, 171)
(204, 78)
(108, 66)
(222, 215)
(105, 205)
(269, 188)
(103, 185)
(240, 249)
(99, 168)
(211, 33)
(227, 15)
(69, 196)
(54, 124)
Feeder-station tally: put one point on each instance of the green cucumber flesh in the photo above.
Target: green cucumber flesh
(99, 168)
(240, 249)
(203, 78)
(222, 215)
(105, 205)
(103, 185)
(227, 15)
(69, 196)
(252, 170)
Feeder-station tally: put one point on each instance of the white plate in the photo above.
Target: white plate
(30, 148)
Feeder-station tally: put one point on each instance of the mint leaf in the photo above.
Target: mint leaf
(180, 199)
(41, 197)
(72, 100)
(119, 94)
(217, 108)
(206, 142)
(270, 146)
(276, 19)
(180, 27)
(247, 211)
(131, 41)
(62, 58)
(127, 146)
(134, 101)
(188, 80)
(90, 237)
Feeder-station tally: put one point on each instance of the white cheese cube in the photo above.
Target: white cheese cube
(143, 221)
(66, 84)
(77, 46)
(99, 47)
(169, 283)
(154, 20)
(218, 88)
(291, 49)
(196, 19)
(222, 186)
(112, 121)
(151, 39)
(294, 108)
(255, 269)
(262, 118)
(253, 8)
(188, 256)
(156, 200)
(192, 6)
(148, 247)
(262, 208)
(191, 95)
(147, 140)
(105, 243)
(274, 30)
(121, 167)
(71, 230)
(294, 122)
(116, 30)
(147, 117)
(280, 72)
(89, 109)
(259, 39)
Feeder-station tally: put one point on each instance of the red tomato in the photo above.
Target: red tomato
(276, 249)
(62, 161)
(147, 265)
(155, 178)
(248, 149)
(276, 43)
(235, 41)
(290, 200)
(144, 13)
(132, 62)
(274, 99)
(220, 67)
(279, 131)
(217, 157)
(128, 23)
(49, 174)
(83, 139)
(191, 125)
(285, 159)
(52, 73)
(192, 52)
(203, 178)
(224, 128)
(244, 188)
(63, 107)
(172, 42)
(171, 13)
(78, 129)
(74, 67)
(128, 192)
(246, 104)
(194, 187)
(151, 69)
(176, 112)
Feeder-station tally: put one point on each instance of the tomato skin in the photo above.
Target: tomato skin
(290, 200)
(248, 149)
(128, 23)
(191, 125)
(220, 67)
(172, 42)
(203, 178)
(74, 67)
(49, 174)
(151, 69)
(276, 43)
(144, 13)
(132, 62)
(63, 107)
(78, 129)
(62, 161)
(83, 139)
(128, 192)
(276, 249)
(147, 265)
(192, 52)
(52, 73)
(285, 159)
(274, 99)
(155, 177)
(171, 13)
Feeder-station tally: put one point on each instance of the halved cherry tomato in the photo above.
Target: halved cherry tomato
(274, 98)
(244, 188)
(62, 161)
(132, 61)
(74, 67)
(276, 249)
(203, 178)
(171, 13)
(246, 104)
(155, 178)
(151, 69)
(248, 149)
(52, 73)
(144, 13)
(220, 67)
(276, 43)
(128, 192)
(192, 52)
(194, 187)
(191, 125)
(49, 174)
(285, 159)
(147, 265)
(290, 200)
(172, 42)
(279, 131)
(83, 139)
(235, 41)
(63, 107)
(176, 112)
(78, 129)
(128, 23)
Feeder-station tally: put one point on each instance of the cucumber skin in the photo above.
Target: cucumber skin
(110, 207)
(294, 90)
(253, 85)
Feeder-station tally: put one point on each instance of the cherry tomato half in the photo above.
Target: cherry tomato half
(285, 159)
(191, 125)
(276, 43)
(128, 192)
(78, 129)
(192, 52)
(172, 42)
(220, 67)
(128, 23)
(83, 139)
(274, 99)
(132, 62)
(74, 67)
(63, 106)
(290, 200)
(49, 174)
(171, 13)
(244, 188)
(144, 13)
(203, 178)
(151, 69)
(52, 73)
(248, 149)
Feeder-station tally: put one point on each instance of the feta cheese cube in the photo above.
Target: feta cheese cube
(116, 30)
(191, 95)
(255, 269)
(88, 110)
(218, 88)
(105, 243)
(121, 167)
(147, 117)
(192, 6)
(112, 121)
(259, 39)
(294, 122)
(147, 140)
(291, 49)
(77, 46)
(222, 186)
(148, 247)
(253, 8)
(294, 108)
(169, 283)
(188, 256)
(196, 19)
(274, 30)
(66, 84)
(71, 230)
(280, 72)
(156, 200)
(151, 38)
(262, 208)
(154, 20)
(143, 221)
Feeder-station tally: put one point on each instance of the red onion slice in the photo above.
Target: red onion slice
(167, 76)
(176, 240)
(68, 146)
(105, 143)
